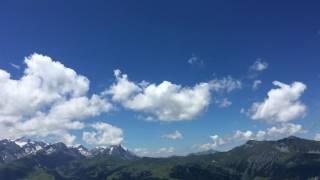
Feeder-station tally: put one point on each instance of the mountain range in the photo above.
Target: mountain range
(288, 158)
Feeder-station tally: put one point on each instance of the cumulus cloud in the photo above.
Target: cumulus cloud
(282, 104)
(256, 84)
(167, 101)
(317, 137)
(243, 135)
(274, 132)
(63, 116)
(286, 129)
(271, 133)
(123, 89)
(216, 141)
(44, 82)
(174, 136)
(49, 99)
(68, 139)
(104, 134)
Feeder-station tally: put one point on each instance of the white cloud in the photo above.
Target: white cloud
(216, 142)
(227, 84)
(63, 116)
(79, 108)
(286, 129)
(49, 99)
(317, 137)
(123, 88)
(161, 152)
(170, 102)
(259, 65)
(166, 150)
(282, 104)
(141, 152)
(104, 134)
(206, 146)
(260, 135)
(68, 139)
(174, 136)
(224, 103)
(167, 101)
(55, 77)
(243, 135)
(274, 132)
(256, 84)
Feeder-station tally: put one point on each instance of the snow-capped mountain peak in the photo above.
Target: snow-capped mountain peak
(29, 146)
(11, 150)
(83, 150)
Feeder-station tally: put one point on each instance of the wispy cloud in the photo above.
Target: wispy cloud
(256, 84)
(196, 60)
(174, 136)
(161, 152)
(257, 67)
(224, 103)
(15, 66)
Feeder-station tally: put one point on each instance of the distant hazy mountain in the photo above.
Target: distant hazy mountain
(210, 151)
(288, 158)
(10, 151)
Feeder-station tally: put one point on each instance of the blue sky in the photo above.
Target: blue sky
(153, 41)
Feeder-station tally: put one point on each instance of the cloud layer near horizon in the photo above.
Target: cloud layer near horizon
(281, 106)
(50, 99)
